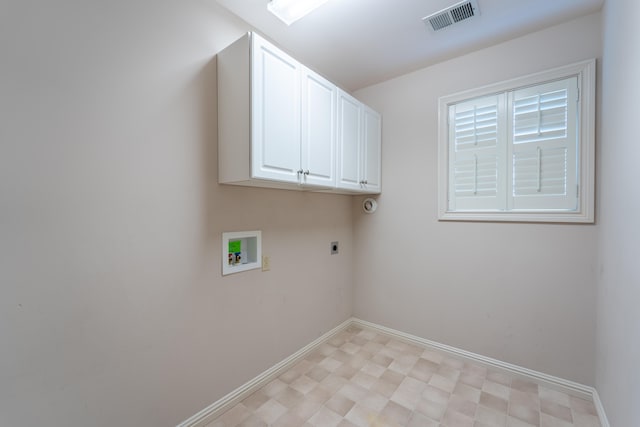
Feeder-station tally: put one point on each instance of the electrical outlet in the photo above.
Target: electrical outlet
(334, 248)
(266, 263)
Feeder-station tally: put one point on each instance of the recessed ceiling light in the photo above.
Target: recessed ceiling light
(289, 11)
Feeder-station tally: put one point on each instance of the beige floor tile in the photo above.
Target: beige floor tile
(470, 393)
(585, 420)
(270, 411)
(463, 406)
(253, 421)
(289, 397)
(361, 415)
(525, 399)
(317, 373)
(289, 419)
(525, 413)
(384, 387)
(555, 410)
(274, 387)
(319, 394)
(325, 417)
(339, 404)
(431, 409)
(306, 409)
(256, 400)
(496, 389)
(375, 401)
(396, 413)
(499, 377)
(524, 386)
(491, 417)
(235, 415)
(549, 421)
(554, 396)
(346, 423)
(442, 383)
(303, 384)
(494, 402)
(473, 369)
(582, 406)
(419, 420)
(364, 380)
(373, 369)
(456, 419)
(436, 395)
(515, 422)
(472, 380)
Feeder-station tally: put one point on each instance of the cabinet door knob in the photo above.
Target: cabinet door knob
(300, 171)
(306, 172)
(364, 182)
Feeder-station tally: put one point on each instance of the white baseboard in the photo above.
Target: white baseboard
(217, 408)
(222, 405)
(604, 422)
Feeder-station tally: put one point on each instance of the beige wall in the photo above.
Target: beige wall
(618, 338)
(522, 293)
(113, 310)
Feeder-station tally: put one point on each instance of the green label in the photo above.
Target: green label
(235, 246)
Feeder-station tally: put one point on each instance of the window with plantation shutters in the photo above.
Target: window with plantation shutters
(520, 150)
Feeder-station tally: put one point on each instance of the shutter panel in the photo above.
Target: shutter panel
(543, 148)
(476, 141)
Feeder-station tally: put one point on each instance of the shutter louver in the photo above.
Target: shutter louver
(476, 127)
(540, 172)
(476, 176)
(540, 117)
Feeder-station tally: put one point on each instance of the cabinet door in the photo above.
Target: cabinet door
(349, 136)
(372, 139)
(318, 130)
(275, 113)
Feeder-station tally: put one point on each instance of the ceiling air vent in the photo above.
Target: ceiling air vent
(452, 14)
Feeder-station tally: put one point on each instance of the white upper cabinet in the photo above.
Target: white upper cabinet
(318, 130)
(359, 146)
(281, 125)
(349, 142)
(275, 113)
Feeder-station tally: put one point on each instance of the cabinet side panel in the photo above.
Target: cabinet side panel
(372, 150)
(233, 112)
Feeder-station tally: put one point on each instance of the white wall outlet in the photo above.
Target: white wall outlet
(266, 263)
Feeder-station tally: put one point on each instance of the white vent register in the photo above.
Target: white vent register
(452, 14)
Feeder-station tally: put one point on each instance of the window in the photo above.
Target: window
(521, 150)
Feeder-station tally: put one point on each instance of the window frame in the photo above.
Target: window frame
(585, 71)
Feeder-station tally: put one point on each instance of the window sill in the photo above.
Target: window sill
(549, 217)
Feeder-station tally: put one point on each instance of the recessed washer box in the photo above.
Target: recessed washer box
(241, 251)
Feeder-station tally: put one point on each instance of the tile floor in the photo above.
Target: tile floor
(363, 378)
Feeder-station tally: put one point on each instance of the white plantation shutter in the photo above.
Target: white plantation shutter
(521, 149)
(543, 147)
(476, 153)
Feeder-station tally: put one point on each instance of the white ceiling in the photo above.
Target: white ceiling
(356, 43)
